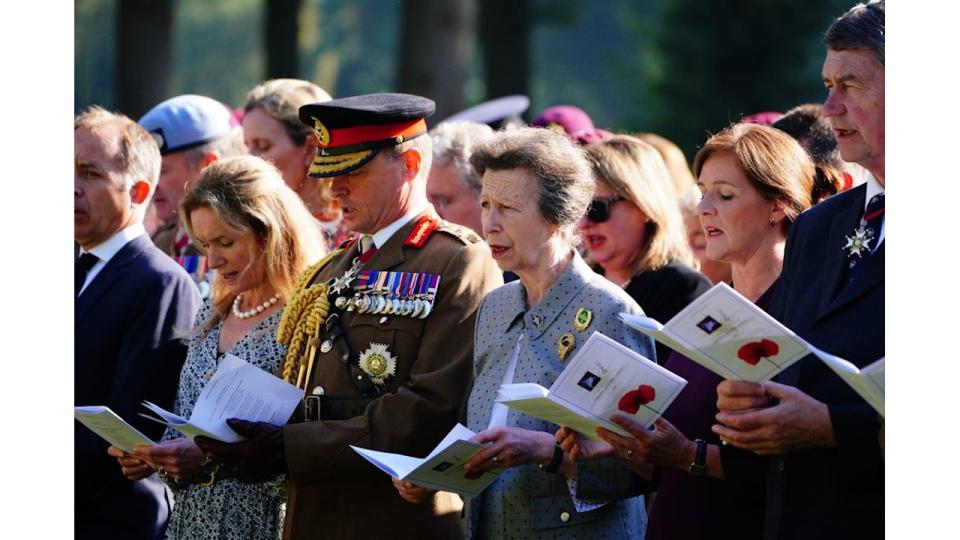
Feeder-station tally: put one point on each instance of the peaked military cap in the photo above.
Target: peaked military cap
(351, 130)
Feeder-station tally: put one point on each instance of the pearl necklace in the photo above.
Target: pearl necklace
(255, 311)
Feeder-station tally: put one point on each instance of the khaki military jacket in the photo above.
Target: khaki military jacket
(165, 238)
(333, 492)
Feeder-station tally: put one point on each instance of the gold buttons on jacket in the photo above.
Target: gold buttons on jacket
(564, 516)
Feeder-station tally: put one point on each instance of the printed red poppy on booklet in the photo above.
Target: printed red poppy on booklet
(754, 351)
(632, 400)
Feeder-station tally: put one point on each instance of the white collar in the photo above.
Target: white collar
(873, 188)
(111, 246)
(380, 237)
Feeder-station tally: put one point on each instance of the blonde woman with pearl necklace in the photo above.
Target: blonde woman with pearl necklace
(257, 236)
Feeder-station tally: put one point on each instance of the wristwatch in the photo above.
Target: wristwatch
(555, 461)
(699, 465)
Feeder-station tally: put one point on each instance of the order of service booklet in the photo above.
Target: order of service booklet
(732, 337)
(603, 378)
(442, 469)
(868, 382)
(110, 427)
(237, 389)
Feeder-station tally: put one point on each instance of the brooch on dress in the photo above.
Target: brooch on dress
(582, 319)
(565, 344)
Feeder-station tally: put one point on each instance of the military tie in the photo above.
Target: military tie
(367, 248)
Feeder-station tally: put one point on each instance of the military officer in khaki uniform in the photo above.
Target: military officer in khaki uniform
(380, 333)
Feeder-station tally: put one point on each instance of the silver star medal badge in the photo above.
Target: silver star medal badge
(859, 242)
(344, 282)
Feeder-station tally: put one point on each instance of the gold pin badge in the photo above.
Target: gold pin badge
(565, 344)
(582, 319)
(320, 132)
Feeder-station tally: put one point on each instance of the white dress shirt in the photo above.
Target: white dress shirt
(380, 237)
(874, 188)
(106, 250)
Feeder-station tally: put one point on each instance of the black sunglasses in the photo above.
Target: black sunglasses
(599, 210)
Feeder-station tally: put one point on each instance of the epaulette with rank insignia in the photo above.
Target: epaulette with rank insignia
(460, 232)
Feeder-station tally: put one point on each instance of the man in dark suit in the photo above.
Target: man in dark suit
(133, 305)
(826, 476)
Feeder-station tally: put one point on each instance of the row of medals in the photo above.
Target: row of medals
(385, 303)
(378, 302)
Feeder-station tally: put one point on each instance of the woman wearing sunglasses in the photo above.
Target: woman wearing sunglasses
(755, 181)
(634, 232)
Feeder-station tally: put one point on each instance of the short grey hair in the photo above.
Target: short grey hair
(423, 144)
(862, 27)
(139, 156)
(454, 142)
(565, 183)
(229, 145)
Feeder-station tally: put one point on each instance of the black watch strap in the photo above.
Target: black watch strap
(699, 465)
(555, 461)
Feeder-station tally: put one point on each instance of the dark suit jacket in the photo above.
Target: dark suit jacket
(127, 329)
(835, 492)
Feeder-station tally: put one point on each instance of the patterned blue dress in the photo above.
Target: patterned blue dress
(229, 509)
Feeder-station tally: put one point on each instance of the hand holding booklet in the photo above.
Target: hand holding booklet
(238, 389)
(602, 379)
(441, 470)
(732, 337)
(727, 334)
(110, 427)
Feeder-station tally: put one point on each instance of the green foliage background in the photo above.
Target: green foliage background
(680, 68)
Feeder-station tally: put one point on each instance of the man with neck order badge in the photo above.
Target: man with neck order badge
(826, 474)
(380, 333)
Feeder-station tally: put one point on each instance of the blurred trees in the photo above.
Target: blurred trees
(435, 49)
(676, 67)
(505, 26)
(709, 63)
(281, 30)
(143, 53)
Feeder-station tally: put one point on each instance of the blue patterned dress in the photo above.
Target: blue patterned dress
(229, 509)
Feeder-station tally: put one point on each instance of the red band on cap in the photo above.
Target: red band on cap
(362, 134)
(421, 231)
